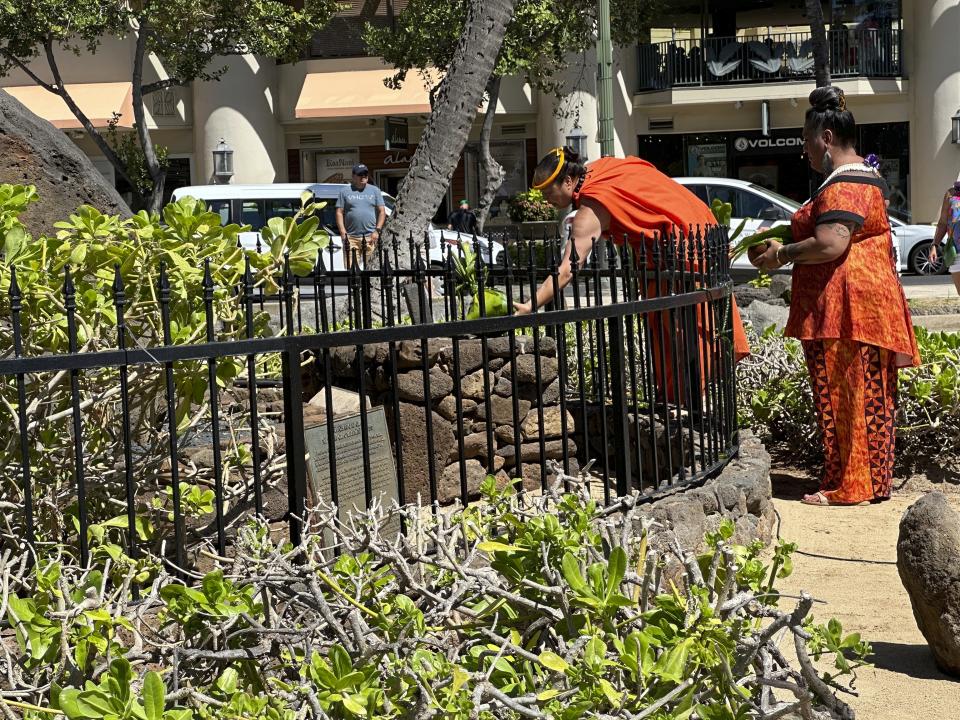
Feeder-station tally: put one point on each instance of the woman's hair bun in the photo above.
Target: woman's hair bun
(828, 99)
(571, 155)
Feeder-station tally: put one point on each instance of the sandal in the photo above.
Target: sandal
(818, 498)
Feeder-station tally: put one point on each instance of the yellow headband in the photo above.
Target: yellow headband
(553, 176)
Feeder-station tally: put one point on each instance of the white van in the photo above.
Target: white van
(254, 205)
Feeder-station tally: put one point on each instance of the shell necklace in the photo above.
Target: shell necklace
(849, 167)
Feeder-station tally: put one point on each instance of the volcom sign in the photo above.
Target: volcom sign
(767, 145)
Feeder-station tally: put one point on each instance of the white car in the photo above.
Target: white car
(254, 205)
(765, 208)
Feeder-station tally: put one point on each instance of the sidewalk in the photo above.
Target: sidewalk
(848, 559)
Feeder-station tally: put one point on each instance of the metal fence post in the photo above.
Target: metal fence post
(293, 421)
(618, 389)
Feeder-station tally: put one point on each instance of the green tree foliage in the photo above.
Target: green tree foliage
(187, 36)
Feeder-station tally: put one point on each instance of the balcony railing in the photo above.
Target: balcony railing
(874, 53)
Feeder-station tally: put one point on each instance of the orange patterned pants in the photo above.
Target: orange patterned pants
(854, 391)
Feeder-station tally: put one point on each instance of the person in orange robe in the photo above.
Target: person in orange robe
(847, 308)
(629, 198)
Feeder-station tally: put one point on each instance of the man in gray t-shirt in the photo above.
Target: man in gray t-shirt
(360, 216)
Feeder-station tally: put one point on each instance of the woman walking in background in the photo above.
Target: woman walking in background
(949, 226)
(847, 308)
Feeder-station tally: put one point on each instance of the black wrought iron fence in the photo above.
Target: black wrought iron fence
(412, 379)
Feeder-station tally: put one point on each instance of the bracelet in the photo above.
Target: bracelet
(782, 262)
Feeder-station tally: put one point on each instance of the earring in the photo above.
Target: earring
(827, 163)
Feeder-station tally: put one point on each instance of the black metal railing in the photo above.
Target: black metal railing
(874, 53)
(363, 386)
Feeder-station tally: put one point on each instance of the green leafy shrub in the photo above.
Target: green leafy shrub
(776, 402)
(530, 206)
(548, 607)
(93, 246)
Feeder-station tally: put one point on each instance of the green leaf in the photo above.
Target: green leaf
(492, 546)
(672, 663)
(553, 661)
(227, 682)
(571, 573)
(617, 570)
(154, 695)
(350, 703)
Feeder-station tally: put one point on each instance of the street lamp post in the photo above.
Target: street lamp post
(222, 162)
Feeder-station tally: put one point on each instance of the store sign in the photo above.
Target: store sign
(336, 166)
(759, 145)
(396, 133)
(396, 159)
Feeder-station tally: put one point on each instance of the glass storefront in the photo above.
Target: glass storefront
(776, 161)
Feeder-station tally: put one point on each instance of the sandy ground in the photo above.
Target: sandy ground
(847, 557)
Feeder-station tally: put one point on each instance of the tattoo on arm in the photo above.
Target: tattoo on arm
(843, 231)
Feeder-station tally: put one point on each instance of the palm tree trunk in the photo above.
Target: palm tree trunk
(454, 111)
(818, 35)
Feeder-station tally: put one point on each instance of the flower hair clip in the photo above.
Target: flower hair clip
(872, 160)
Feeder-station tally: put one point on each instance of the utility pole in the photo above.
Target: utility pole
(604, 79)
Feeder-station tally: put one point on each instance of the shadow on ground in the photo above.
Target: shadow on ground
(792, 483)
(907, 659)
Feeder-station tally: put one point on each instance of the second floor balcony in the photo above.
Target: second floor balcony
(783, 57)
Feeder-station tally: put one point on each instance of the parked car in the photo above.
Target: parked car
(254, 205)
(765, 208)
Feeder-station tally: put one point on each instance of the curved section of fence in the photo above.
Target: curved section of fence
(401, 381)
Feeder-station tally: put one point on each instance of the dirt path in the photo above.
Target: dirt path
(862, 589)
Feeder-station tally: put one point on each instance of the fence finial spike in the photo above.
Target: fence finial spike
(14, 290)
(117, 279)
(68, 288)
(207, 277)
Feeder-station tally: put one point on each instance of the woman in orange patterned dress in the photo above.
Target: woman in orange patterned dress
(847, 308)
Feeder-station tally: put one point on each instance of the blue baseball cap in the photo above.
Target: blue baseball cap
(361, 169)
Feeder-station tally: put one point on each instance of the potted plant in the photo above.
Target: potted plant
(530, 206)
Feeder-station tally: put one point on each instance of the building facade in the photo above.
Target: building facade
(720, 89)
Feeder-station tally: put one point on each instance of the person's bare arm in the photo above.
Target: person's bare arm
(830, 241)
(340, 225)
(588, 224)
(381, 216)
(941, 230)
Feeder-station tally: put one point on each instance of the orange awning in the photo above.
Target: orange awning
(360, 93)
(99, 101)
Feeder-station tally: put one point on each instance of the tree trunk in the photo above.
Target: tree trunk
(157, 173)
(818, 35)
(490, 170)
(451, 120)
(60, 89)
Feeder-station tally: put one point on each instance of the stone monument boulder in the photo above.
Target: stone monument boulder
(34, 152)
(927, 552)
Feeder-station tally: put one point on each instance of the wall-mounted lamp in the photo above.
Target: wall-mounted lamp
(223, 162)
(955, 128)
(577, 141)
(765, 118)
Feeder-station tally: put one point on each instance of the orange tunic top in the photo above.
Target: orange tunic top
(858, 296)
(642, 200)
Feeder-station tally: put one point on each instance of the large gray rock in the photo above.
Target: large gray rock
(34, 152)
(416, 455)
(927, 553)
(762, 315)
(781, 286)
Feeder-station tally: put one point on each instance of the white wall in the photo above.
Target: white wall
(935, 79)
(242, 109)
